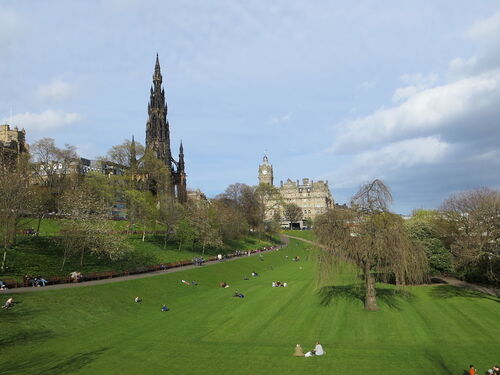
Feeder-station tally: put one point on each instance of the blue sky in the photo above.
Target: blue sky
(404, 91)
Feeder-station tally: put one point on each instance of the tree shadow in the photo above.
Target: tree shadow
(388, 296)
(25, 337)
(437, 361)
(39, 365)
(450, 291)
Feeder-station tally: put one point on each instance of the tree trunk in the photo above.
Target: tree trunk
(370, 296)
(180, 244)
(38, 225)
(81, 257)
(4, 258)
(203, 249)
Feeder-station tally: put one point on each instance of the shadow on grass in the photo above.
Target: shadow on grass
(40, 365)
(437, 361)
(450, 291)
(26, 337)
(387, 296)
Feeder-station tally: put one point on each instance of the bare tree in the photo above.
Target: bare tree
(292, 212)
(371, 238)
(121, 154)
(472, 230)
(14, 202)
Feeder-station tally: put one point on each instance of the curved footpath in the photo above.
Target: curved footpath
(131, 277)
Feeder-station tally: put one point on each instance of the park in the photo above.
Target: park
(436, 329)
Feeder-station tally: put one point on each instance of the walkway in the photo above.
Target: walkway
(125, 278)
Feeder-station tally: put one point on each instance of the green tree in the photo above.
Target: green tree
(141, 210)
(372, 238)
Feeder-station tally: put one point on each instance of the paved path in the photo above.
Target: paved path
(491, 290)
(124, 278)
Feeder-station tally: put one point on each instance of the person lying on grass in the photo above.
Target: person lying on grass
(138, 300)
(255, 274)
(164, 308)
(223, 284)
(239, 295)
(318, 350)
(8, 304)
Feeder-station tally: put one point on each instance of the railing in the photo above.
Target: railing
(11, 283)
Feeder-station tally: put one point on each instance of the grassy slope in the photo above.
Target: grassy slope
(42, 255)
(307, 234)
(100, 330)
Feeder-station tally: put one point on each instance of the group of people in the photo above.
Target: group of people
(198, 261)
(317, 351)
(37, 281)
(494, 370)
(278, 284)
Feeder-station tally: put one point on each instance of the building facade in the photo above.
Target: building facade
(313, 197)
(12, 144)
(158, 138)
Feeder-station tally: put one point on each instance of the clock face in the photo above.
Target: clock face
(264, 171)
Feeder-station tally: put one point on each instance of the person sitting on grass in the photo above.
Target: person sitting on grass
(298, 351)
(8, 304)
(318, 350)
(255, 274)
(472, 370)
(239, 295)
(138, 300)
(223, 284)
(164, 308)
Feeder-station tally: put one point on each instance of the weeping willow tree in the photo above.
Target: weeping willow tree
(373, 239)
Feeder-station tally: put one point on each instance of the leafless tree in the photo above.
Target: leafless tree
(121, 154)
(292, 212)
(472, 231)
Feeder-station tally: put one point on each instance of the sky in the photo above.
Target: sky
(404, 91)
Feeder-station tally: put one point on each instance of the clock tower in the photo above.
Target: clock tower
(265, 172)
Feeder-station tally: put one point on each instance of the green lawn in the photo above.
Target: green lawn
(307, 234)
(43, 255)
(100, 330)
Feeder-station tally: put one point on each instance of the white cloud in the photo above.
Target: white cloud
(366, 85)
(485, 27)
(417, 82)
(425, 112)
(42, 121)
(389, 159)
(55, 91)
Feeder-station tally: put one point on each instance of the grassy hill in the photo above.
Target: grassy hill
(100, 330)
(43, 255)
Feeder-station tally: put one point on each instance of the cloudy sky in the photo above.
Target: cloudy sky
(404, 91)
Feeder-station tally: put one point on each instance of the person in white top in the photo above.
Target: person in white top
(318, 350)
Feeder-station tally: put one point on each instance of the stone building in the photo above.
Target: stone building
(158, 138)
(12, 144)
(313, 197)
